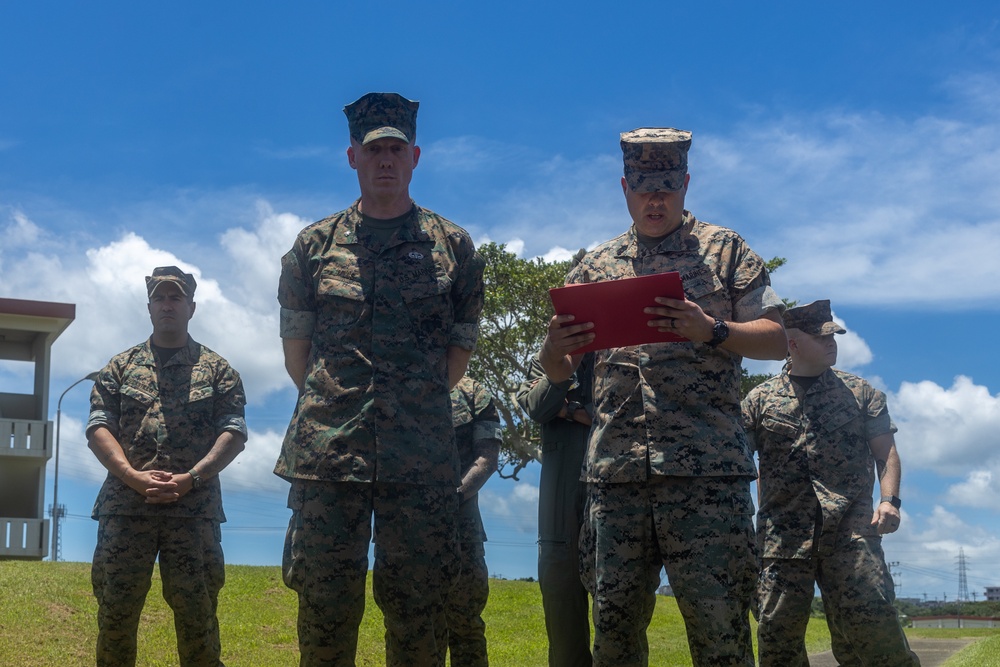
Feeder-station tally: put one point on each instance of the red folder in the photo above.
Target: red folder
(615, 307)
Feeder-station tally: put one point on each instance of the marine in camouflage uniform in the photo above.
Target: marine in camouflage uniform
(668, 463)
(165, 417)
(379, 313)
(477, 433)
(563, 410)
(820, 434)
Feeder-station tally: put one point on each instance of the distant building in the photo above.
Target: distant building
(27, 331)
(954, 622)
(993, 593)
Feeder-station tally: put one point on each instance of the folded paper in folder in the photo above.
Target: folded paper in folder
(616, 309)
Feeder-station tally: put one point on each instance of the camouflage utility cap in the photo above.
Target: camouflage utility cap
(379, 115)
(171, 274)
(813, 318)
(655, 158)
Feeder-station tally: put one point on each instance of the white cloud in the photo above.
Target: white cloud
(866, 208)
(20, 232)
(953, 432)
(927, 550)
(237, 307)
(75, 458)
(517, 506)
(515, 246)
(253, 468)
(981, 488)
(852, 350)
(256, 256)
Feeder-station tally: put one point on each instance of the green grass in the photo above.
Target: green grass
(983, 653)
(48, 617)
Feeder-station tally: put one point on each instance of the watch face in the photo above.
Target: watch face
(720, 332)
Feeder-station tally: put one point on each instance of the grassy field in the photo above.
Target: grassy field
(48, 618)
(983, 653)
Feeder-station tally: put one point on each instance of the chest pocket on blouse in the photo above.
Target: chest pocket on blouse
(428, 301)
(340, 302)
(137, 411)
(780, 429)
(143, 396)
(200, 393)
(702, 286)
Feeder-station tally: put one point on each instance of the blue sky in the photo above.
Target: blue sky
(859, 140)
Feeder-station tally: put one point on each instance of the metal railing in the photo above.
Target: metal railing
(25, 437)
(24, 538)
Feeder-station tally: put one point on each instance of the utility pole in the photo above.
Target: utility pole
(59, 511)
(897, 576)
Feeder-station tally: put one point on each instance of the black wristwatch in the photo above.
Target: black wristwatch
(720, 332)
(571, 409)
(195, 479)
(892, 500)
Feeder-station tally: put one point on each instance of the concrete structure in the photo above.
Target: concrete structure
(954, 622)
(27, 331)
(993, 593)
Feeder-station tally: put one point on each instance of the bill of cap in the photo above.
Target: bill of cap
(158, 281)
(383, 133)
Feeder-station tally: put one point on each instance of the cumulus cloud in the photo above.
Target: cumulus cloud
(950, 430)
(75, 458)
(852, 351)
(515, 504)
(253, 468)
(860, 225)
(926, 551)
(236, 313)
(981, 488)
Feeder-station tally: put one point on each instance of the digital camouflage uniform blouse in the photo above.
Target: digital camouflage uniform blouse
(376, 400)
(475, 417)
(673, 408)
(816, 467)
(166, 419)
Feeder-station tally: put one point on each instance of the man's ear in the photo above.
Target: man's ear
(350, 157)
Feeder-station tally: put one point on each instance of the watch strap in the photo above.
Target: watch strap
(892, 500)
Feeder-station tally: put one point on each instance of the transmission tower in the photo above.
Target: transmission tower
(963, 584)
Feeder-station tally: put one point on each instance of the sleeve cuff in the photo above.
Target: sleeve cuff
(297, 323)
(108, 420)
(486, 431)
(758, 302)
(233, 423)
(464, 335)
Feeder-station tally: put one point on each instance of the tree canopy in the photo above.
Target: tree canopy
(511, 329)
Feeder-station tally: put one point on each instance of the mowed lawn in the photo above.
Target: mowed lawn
(48, 618)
